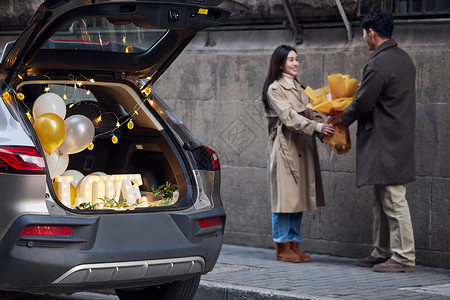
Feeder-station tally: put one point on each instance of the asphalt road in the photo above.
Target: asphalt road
(75, 296)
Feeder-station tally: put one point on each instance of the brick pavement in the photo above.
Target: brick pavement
(253, 273)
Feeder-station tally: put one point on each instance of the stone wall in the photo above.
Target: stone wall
(215, 87)
(271, 11)
(15, 14)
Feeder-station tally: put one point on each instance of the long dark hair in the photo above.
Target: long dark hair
(277, 60)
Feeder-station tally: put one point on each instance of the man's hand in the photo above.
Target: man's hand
(335, 117)
(328, 129)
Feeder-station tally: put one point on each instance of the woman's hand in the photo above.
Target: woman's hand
(328, 129)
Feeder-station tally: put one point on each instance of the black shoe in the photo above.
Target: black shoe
(392, 266)
(370, 261)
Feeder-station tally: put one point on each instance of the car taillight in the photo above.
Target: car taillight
(42, 230)
(21, 160)
(206, 159)
(211, 222)
(214, 158)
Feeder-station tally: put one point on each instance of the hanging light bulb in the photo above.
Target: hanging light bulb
(91, 146)
(6, 96)
(114, 139)
(130, 124)
(20, 96)
(117, 124)
(129, 49)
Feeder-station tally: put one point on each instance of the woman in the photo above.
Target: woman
(296, 183)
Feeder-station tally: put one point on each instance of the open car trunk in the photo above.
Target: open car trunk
(130, 162)
(99, 58)
(104, 186)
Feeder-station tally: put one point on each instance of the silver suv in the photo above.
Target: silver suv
(103, 187)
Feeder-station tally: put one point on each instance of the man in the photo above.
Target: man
(385, 109)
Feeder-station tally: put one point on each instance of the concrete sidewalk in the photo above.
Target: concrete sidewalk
(253, 273)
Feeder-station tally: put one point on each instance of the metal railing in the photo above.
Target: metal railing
(406, 8)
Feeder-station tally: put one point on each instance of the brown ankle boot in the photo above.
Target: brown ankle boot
(284, 253)
(303, 256)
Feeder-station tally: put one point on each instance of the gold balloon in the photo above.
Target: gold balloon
(73, 191)
(51, 131)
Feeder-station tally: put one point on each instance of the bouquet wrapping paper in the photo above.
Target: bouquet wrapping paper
(336, 96)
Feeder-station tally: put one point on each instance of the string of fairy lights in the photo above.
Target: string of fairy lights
(10, 92)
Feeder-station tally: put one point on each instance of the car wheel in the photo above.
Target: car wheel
(177, 290)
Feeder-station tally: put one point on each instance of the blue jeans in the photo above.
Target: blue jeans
(286, 227)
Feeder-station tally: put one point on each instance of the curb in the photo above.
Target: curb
(213, 290)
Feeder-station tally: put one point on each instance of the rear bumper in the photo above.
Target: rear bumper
(133, 270)
(109, 251)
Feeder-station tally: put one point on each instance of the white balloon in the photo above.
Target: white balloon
(49, 103)
(77, 176)
(79, 134)
(56, 163)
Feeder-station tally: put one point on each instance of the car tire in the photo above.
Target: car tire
(177, 290)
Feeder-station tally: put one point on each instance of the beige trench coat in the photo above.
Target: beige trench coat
(296, 182)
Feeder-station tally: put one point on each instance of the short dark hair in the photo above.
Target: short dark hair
(381, 22)
(277, 60)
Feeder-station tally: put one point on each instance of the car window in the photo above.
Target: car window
(100, 34)
(72, 94)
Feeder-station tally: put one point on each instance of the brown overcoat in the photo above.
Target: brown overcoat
(385, 107)
(296, 183)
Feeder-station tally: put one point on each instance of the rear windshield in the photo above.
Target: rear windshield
(101, 35)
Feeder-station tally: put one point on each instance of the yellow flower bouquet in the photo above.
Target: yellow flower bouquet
(336, 96)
